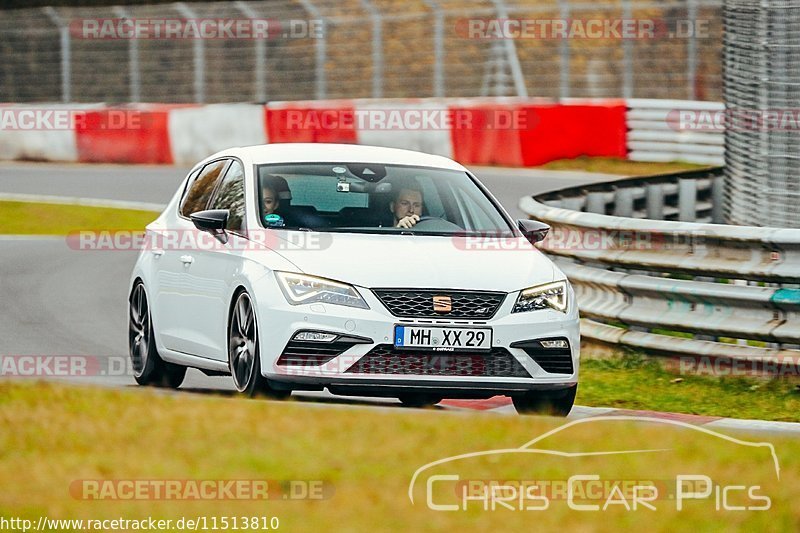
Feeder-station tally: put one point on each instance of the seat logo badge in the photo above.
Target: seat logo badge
(442, 304)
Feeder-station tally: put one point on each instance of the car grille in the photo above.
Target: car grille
(419, 303)
(552, 360)
(386, 359)
(304, 353)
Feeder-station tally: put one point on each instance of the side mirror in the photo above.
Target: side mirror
(533, 230)
(212, 221)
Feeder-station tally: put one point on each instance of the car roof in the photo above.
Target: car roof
(334, 153)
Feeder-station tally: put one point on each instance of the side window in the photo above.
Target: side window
(230, 196)
(199, 191)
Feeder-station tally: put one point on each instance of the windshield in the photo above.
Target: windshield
(373, 198)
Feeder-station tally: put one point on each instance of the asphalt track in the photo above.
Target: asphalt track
(59, 301)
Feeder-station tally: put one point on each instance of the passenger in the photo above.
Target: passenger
(270, 199)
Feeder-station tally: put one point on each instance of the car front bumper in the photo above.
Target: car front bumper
(279, 322)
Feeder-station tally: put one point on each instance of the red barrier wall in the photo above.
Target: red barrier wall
(303, 123)
(530, 135)
(482, 135)
(125, 135)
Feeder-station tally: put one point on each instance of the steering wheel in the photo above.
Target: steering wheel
(435, 224)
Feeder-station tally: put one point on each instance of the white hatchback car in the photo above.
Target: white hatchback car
(367, 271)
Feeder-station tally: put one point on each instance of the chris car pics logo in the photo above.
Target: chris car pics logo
(450, 484)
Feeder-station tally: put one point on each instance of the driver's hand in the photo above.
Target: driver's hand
(408, 222)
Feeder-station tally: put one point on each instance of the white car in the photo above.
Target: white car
(364, 270)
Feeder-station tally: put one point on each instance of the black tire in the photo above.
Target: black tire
(419, 400)
(148, 367)
(244, 358)
(554, 403)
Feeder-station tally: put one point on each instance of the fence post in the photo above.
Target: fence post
(321, 90)
(438, 48)
(134, 78)
(199, 57)
(66, 73)
(511, 53)
(691, 50)
(564, 52)
(627, 54)
(377, 48)
(260, 52)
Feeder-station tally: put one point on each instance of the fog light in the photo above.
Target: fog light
(560, 343)
(314, 336)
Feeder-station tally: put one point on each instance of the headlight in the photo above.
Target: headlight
(553, 295)
(301, 289)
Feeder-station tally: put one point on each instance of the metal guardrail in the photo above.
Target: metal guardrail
(639, 279)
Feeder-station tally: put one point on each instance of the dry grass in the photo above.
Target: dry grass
(52, 434)
(621, 167)
(24, 218)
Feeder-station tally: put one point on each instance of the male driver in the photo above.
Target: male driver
(406, 207)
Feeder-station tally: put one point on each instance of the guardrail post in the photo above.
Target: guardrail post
(199, 57)
(63, 32)
(596, 203)
(687, 200)
(654, 200)
(717, 200)
(623, 202)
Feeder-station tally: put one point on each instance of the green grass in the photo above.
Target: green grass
(54, 435)
(633, 381)
(26, 218)
(622, 167)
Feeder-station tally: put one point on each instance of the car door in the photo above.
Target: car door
(176, 320)
(212, 270)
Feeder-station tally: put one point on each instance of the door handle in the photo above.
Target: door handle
(187, 260)
(158, 253)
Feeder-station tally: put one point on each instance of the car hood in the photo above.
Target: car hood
(374, 261)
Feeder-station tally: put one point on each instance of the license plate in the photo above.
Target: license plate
(443, 339)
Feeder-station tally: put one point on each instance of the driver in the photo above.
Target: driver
(407, 207)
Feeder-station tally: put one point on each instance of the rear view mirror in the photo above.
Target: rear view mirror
(533, 230)
(212, 221)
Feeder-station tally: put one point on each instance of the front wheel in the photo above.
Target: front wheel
(148, 367)
(553, 402)
(243, 351)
